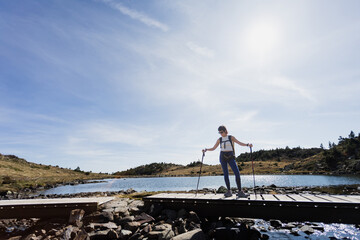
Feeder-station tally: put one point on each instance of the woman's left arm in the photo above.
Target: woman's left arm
(240, 143)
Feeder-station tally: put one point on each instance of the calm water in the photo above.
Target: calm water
(189, 183)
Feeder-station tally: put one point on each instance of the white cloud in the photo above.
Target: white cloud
(203, 51)
(292, 86)
(137, 15)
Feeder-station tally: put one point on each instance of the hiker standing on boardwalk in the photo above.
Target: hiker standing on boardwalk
(227, 156)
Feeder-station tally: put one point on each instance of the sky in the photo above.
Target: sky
(106, 85)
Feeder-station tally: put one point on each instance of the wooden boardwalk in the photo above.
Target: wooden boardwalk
(289, 207)
(47, 208)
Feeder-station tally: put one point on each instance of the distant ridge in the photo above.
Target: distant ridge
(341, 158)
(17, 173)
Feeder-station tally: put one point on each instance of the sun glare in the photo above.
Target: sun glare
(262, 38)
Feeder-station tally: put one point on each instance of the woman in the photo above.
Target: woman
(227, 156)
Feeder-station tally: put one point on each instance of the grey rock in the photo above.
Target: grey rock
(196, 234)
(307, 229)
(193, 217)
(162, 227)
(289, 226)
(112, 234)
(222, 189)
(103, 226)
(132, 226)
(99, 235)
(125, 220)
(144, 218)
(166, 235)
(275, 223)
(125, 234)
(154, 234)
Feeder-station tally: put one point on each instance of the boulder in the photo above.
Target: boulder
(125, 234)
(222, 189)
(275, 223)
(125, 220)
(76, 216)
(103, 226)
(144, 218)
(307, 229)
(196, 234)
(193, 217)
(132, 226)
(112, 234)
(166, 234)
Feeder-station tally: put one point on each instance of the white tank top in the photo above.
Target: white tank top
(225, 145)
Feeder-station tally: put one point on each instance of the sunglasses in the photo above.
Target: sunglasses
(221, 132)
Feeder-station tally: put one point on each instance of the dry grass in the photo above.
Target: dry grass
(16, 173)
(261, 167)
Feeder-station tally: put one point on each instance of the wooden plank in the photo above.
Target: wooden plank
(315, 198)
(299, 198)
(353, 198)
(269, 197)
(283, 197)
(333, 199)
(18, 202)
(256, 197)
(342, 197)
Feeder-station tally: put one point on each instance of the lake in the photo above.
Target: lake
(189, 183)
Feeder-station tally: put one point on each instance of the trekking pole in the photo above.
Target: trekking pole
(252, 162)
(202, 159)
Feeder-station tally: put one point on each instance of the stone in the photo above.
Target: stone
(15, 238)
(154, 234)
(162, 227)
(307, 229)
(125, 220)
(124, 234)
(264, 237)
(99, 217)
(289, 226)
(144, 218)
(294, 232)
(76, 216)
(166, 235)
(196, 234)
(103, 226)
(193, 217)
(112, 234)
(275, 223)
(132, 226)
(222, 189)
(147, 229)
(82, 235)
(99, 235)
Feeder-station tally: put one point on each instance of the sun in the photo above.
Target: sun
(262, 38)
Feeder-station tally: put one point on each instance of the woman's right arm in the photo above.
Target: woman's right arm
(213, 148)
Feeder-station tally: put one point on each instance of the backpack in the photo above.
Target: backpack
(232, 144)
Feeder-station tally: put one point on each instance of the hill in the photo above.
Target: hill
(17, 173)
(341, 158)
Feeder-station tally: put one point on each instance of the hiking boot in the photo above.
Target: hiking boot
(228, 193)
(241, 194)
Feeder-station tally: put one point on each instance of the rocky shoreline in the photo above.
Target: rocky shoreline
(127, 218)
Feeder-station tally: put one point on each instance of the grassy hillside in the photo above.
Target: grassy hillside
(341, 158)
(16, 173)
